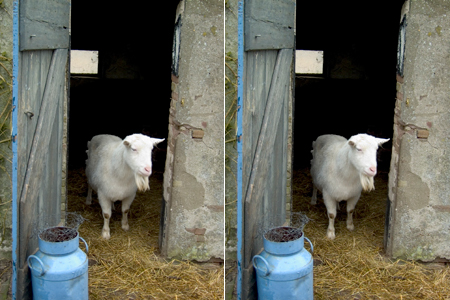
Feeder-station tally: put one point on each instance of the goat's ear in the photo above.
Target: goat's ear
(127, 143)
(157, 141)
(352, 143)
(381, 141)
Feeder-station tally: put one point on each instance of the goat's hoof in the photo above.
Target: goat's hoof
(106, 235)
(331, 235)
(88, 202)
(351, 227)
(126, 227)
(313, 202)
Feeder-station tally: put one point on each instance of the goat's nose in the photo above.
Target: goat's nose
(373, 169)
(148, 169)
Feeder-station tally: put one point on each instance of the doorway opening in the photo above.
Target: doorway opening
(355, 93)
(129, 94)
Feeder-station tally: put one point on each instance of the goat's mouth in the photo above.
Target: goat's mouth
(145, 173)
(370, 173)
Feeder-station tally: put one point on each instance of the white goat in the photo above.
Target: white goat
(116, 169)
(341, 169)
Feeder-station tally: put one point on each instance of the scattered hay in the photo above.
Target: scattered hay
(127, 266)
(353, 265)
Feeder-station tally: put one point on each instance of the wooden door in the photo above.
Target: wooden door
(42, 92)
(268, 84)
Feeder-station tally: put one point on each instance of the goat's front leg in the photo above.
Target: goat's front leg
(314, 196)
(106, 210)
(126, 203)
(89, 195)
(330, 203)
(351, 203)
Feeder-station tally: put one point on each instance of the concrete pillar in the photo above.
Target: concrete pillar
(419, 183)
(193, 179)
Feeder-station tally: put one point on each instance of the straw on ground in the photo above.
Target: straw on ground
(353, 266)
(128, 265)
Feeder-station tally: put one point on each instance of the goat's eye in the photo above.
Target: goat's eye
(359, 149)
(134, 149)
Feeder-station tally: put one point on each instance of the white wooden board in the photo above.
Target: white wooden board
(83, 62)
(308, 62)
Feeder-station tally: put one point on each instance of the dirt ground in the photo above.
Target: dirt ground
(128, 266)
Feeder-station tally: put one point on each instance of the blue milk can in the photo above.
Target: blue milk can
(59, 270)
(284, 270)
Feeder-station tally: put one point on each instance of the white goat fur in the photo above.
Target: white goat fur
(341, 169)
(116, 169)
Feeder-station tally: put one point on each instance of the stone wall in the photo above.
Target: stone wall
(419, 186)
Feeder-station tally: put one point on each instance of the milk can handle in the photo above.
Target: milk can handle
(85, 244)
(265, 262)
(40, 262)
(312, 247)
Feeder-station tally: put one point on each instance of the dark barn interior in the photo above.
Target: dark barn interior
(131, 93)
(356, 92)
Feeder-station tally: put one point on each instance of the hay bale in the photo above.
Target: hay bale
(353, 266)
(128, 266)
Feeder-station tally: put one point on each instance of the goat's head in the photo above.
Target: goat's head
(363, 156)
(138, 156)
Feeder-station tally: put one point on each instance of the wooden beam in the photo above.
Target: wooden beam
(269, 24)
(44, 24)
